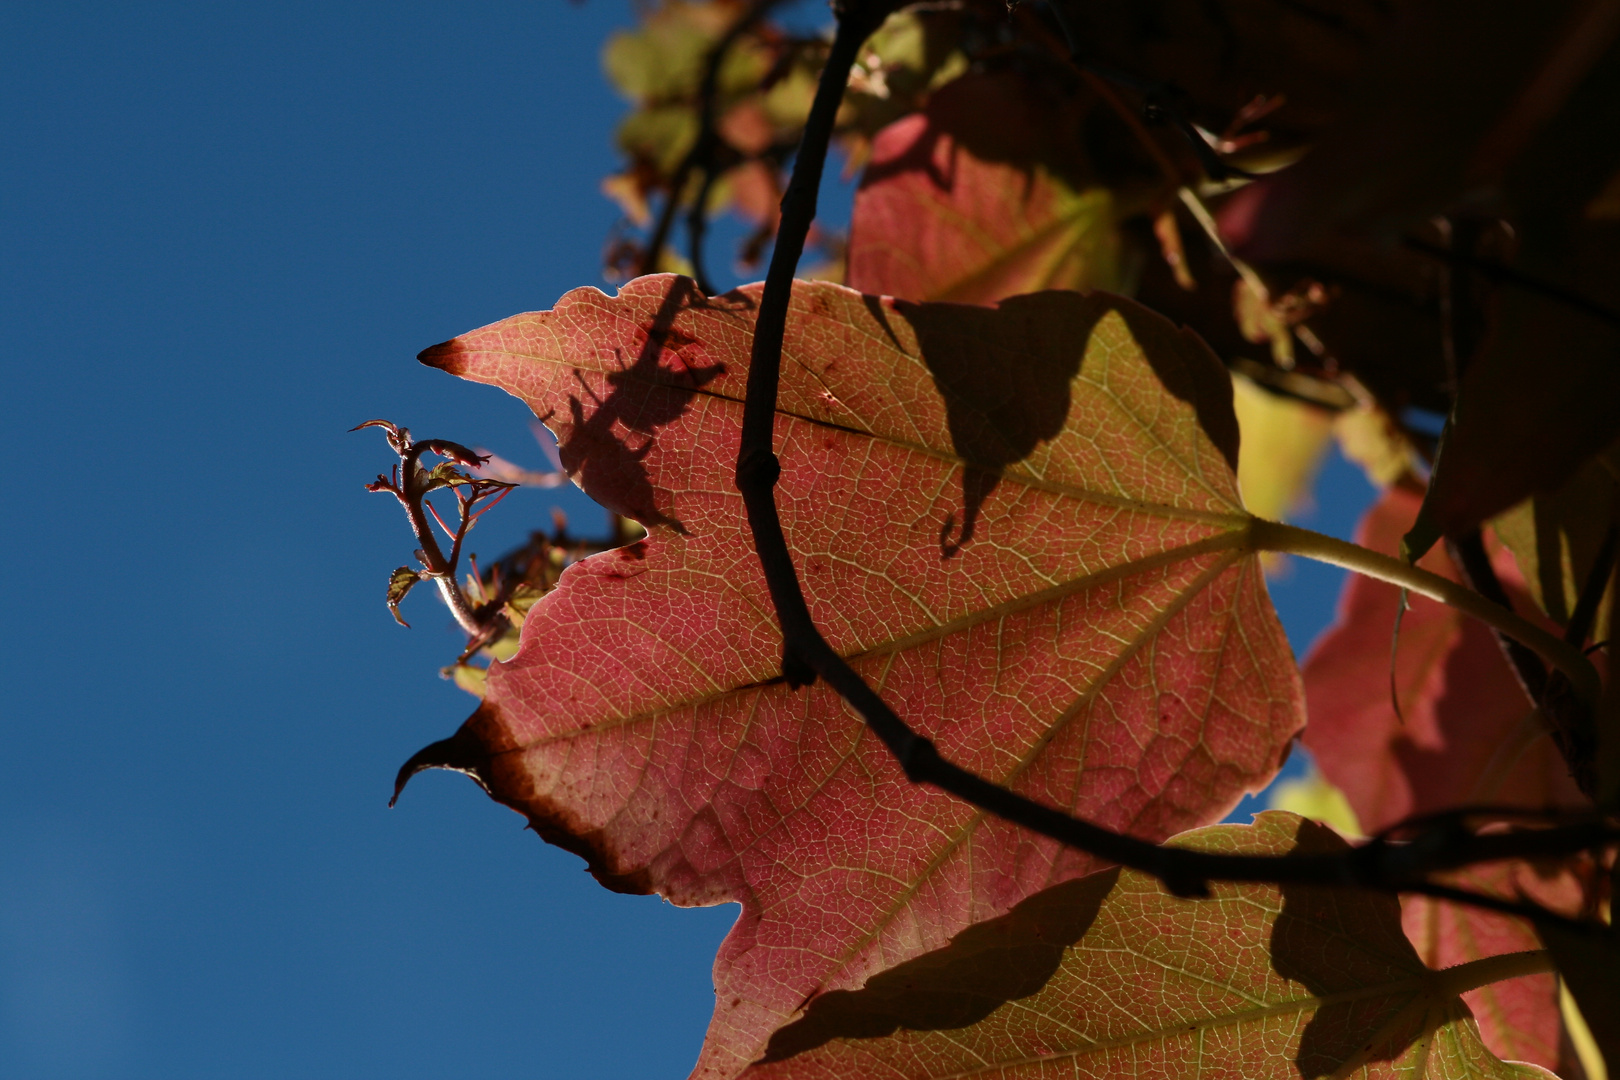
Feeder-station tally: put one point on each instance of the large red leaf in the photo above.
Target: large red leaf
(1462, 711)
(1014, 521)
(1109, 976)
(985, 195)
(1461, 739)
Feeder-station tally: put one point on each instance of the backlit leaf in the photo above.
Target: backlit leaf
(987, 194)
(1110, 976)
(1519, 1018)
(1020, 523)
(1284, 441)
(1465, 734)
(1555, 537)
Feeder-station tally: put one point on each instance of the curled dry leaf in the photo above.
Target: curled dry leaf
(1021, 524)
(1110, 976)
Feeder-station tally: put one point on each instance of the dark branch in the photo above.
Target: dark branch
(1506, 275)
(1161, 102)
(1380, 864)
(697, 224)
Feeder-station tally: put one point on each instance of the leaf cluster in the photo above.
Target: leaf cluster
(944, 637)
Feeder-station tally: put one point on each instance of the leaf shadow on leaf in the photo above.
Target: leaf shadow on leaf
(1319, 942)
(1006, 117)
(983, 968)
(1004, 374)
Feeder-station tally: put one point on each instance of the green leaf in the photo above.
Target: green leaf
(400, 582)
(1555, 537)
(1110, 976)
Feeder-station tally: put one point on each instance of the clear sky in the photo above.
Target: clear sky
(227, 230)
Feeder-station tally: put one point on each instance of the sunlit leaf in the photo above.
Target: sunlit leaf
(1020, 523)
(1109, 976)
(662, 59)
(986, 195)
(1284, 441)
(1556, 537)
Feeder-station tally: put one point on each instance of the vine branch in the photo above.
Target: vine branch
(1382, 863)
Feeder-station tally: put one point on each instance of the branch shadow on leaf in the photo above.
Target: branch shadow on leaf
(1005, 373)
(983, 968)
(642, 398)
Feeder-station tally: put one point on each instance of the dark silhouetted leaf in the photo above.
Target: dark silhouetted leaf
(400, 582)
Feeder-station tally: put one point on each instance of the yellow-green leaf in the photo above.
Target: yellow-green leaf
(1110, 976)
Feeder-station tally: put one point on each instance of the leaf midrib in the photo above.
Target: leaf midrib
(1170, 556)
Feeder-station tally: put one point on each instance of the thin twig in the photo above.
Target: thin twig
(1160, 100)
(1506, 275)
(1379, 864)
(703, 147)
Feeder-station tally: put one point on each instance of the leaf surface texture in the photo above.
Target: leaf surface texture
(1020, 523)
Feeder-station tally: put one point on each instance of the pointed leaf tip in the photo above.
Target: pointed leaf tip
(642, 725)
(460, 753)
(439, 356)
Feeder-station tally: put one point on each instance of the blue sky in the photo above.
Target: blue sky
(227, 231)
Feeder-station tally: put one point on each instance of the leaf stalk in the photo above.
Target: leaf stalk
(1292, 540)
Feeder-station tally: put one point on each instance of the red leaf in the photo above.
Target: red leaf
(1465, 720)
(984, 196)
(1015, 522)
(1464, 710)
